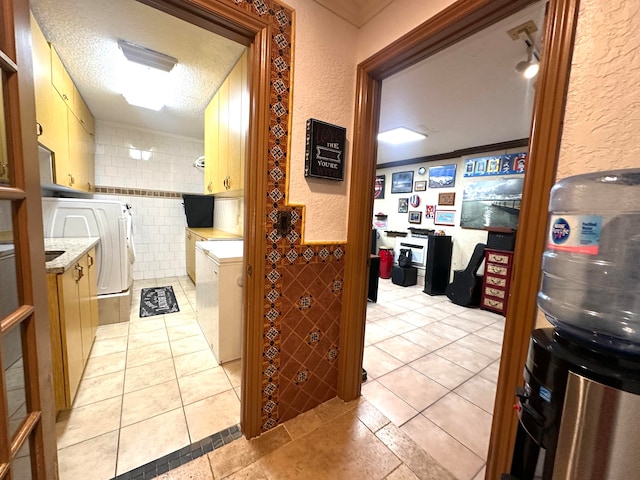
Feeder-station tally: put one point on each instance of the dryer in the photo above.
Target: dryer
(111, 221)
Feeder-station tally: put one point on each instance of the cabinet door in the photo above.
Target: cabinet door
(223, 138)
(71, 327)
(61, 80)
(190, 247)
(92, 277)
(234, 117)
(63, 170)
(84, 299)
(80, 155)
(211, 147)
(42, 84)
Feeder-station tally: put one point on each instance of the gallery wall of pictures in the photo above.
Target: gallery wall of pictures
(469, 193)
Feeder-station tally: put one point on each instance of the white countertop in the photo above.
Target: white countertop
(74, 248)
(223, 250)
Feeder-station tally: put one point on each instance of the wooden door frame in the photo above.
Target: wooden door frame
(454, 23)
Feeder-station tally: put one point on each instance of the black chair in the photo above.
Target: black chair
(466, 288)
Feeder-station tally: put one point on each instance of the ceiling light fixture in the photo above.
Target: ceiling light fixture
(529, 67)
(400, 135)
(145, 76)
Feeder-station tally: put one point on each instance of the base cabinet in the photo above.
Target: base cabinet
(73, 312)
(496, 281)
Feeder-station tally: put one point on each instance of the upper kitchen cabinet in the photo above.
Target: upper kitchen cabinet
(225, 136)
(65, 124)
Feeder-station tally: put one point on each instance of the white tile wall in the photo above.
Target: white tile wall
(158, 223)
(228, 214)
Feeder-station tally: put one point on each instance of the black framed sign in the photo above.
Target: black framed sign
(326, 144)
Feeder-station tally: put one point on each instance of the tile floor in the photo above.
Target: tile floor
(432, 370)
(151, 386)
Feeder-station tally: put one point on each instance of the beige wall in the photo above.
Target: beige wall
(602, 117)
(327, 51)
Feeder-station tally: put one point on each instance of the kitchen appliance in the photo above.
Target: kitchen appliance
(219, 296)
(115, 253)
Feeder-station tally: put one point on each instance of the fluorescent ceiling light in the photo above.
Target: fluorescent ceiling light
(145, 76)
(400, 135)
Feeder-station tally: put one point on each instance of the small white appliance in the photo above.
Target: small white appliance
(418, 247)
(111, 221)
(219, 296)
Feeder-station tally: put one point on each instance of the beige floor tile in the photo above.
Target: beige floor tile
(303, 424)
(149, 402)
(252, 472)
(94, 389)
(407, 302)
(201, 385)
(481, 316)
(82, 423)
(234, 372)
(198, 469)
(418, 317)
(147, 326)
(141, 340)
(479, 391)
(194, 362)
(112, 331)
(428, 341)
(109, 346)
(465, 324)
(395, 325)
(343, 448)
(450, 453)
(445, 331)
(179, 318)
(242, 452)
(402, 473)
(104, 364)
(448, 306)
(147, 355)
(464, 421)
(390, 405)
(151, 439)
(442, 370)
(147, 375)
(491, 333)
(434, 312)
(333, 408)
(374, 333)
(465, 357)
(481, 345)
(413, 387)
(402, 349)
(212, 415)
(419, 462)
(189, 345)
(93, 459)
(373, 419)
(185, 330)
(374, 313)
(377, 363)
(491, 372)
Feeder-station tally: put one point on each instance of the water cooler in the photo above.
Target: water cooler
(579, 406)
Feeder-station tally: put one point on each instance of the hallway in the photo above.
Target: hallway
(432, 370)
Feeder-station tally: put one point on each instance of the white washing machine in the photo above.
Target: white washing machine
(111, 221)
(219, 276)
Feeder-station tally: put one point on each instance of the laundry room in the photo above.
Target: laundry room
(142, 143)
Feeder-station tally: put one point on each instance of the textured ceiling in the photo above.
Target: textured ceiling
(465, 96)
(85, 35)
(356, 12)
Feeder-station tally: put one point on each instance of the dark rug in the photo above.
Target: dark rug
(158, 301)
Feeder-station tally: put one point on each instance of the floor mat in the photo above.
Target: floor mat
(158, 301)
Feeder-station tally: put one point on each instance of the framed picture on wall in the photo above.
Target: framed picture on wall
(378, 189)
(447, 198)
(415, 217)
(443, 176)
(402, 182)
(403, 205)
(445, 217)
(420, 186)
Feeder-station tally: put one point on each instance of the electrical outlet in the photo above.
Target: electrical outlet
(284, 223)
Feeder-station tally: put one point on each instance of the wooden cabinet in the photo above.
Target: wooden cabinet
(73, 312)
(226, 122)
(495, 283)
(190, 241)
(66, 126)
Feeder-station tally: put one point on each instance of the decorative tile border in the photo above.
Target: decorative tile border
(182, 456)
(137, 192)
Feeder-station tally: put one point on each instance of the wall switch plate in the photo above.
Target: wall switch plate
(283, 224)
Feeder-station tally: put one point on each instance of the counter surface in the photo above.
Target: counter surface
(73, 248)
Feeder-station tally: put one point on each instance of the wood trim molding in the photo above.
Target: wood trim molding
(456, 22)
(546, 131)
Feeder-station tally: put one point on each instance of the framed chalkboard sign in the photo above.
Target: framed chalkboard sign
(324, 156)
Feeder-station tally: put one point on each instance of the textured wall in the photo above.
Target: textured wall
(324, 89)
(603, 104)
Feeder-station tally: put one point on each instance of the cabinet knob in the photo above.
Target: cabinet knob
(209, 187)
(72, 180)
(38, 129)
(91, 261)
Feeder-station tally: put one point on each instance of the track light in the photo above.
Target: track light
(529, 67)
